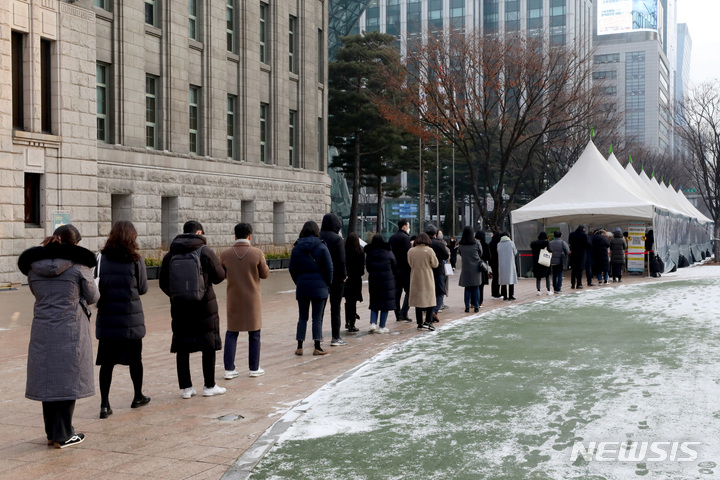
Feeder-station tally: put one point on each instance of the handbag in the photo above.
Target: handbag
(482, 266)
(448, 269)
(545, 257)
(96, 273)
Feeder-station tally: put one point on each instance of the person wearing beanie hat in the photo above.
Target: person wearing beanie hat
(618, 246)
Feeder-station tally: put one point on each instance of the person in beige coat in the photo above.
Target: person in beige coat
(422, 260)
(244, 267)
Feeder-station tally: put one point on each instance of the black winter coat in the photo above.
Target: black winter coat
(492, 248)
(380, 263)
(441, 252)
(540, 271)
(120, 311)
(601, 261)
(400, 244)
(355, 272)
(578, 242)
(311, 268)
(331, 225)
(195, 324)
(617, 249)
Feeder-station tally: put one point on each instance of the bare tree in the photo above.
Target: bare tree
(503, 101)
(699, 128)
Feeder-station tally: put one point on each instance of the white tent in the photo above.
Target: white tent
(601, 193)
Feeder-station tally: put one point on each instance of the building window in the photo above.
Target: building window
(491, 16)
(292, 30)
(150, 13)
(231, 102)
(264, 36)
(247, 211)
(194, 112)
(18, 94)
(32, 199)
(45, 86)
(101, 87)
(414, 17)
(293, 137)
(121, 207)
(151, 87)
(279, 223)
(101, 4)
(192, 19)
(168, 221)
(321, 56)
(264, 107)
(230, 25)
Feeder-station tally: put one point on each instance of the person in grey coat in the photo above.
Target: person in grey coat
(560, 251)
(60, 365)
(507, 271)
(470, 276)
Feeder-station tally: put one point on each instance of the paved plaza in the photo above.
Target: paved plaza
(201, 437)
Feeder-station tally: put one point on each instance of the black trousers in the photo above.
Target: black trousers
(507, 291)
(494, 285)
(183, 368)
(58, 420)
(350, 311)
(576, 273)
(336, 296)
(419, 315)
(402, 283)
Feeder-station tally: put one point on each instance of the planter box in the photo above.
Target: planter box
(285, 263)
(274, 263)
(153, 273)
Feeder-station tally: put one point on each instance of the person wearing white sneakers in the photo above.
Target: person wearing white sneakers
(380, 264)
(187, 275)
(540, 271)
(244, 266)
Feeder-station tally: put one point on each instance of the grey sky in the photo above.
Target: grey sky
(702, 18)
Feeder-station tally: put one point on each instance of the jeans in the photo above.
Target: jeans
(183, 368)
(438, 303)
(336, 296)
(374, 317)
(58, 420)
(538, 282)
(231, 339)
(602, 276)
(557, 273)
(472, 294)
(318, 310)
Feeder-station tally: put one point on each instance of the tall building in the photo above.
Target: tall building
(684, 53)
(161, 111)
(636, 56)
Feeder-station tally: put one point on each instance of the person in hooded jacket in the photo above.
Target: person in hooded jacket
(480, 237)
(507, 270)
(401, 243)
(470, 274)
(442, 254)
(120, 325)
(578, 241)
(618, 246)
(601, 261)
(380, 263)
(540, 271)
(59, 364)
(492, 246)
(355, 258)
(311, 268)
(195, 323)
(329, 233)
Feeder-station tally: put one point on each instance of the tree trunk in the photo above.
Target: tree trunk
(716, 243)
(352, 221)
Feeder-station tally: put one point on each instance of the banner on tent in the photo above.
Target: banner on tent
(636, 247)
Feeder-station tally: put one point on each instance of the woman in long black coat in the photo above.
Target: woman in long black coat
(120, 325)
(601, 260)
(540, 271)
(380, 263)
(355, 264)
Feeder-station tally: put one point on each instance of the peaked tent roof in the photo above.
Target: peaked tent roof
(591, 188)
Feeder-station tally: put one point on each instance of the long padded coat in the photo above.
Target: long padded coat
(311, 268)
(355, 262)
(422, 261)
(60, 356)
(470, 275)
(244, 266)
(507, 272)
(195, 324)
(380, 264)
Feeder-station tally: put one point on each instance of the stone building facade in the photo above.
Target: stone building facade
(161, 111)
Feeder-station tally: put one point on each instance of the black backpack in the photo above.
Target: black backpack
(186, 282)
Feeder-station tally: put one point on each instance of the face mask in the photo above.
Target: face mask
(440, 237)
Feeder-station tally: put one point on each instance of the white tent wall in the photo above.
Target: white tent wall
(601, 194)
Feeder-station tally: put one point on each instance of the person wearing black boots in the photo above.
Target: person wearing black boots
(355, 261)
(120, 325)
(494, 284)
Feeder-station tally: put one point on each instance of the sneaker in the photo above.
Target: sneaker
(257, 373)
(189, 392)
(229, 374)
(74, 440)
(444, 307)
(353, 329)
(383, 330)
(539, 293)
(139, 402)
(337, 342)
(209, 392)
(551, 293)
(428, 326)
(373, 327)
(405, 318)
(477, 309)
(319, 351)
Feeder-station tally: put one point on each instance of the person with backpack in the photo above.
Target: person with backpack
(244, 266)
(187, 275)
(120, 325)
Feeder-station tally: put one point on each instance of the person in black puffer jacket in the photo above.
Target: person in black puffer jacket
(311, 269)
(195, 324)
(601, 260)
(380, 263)
(355, 258)
(120, 325)
(329, 233)
(540, 271)
(618, 246)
